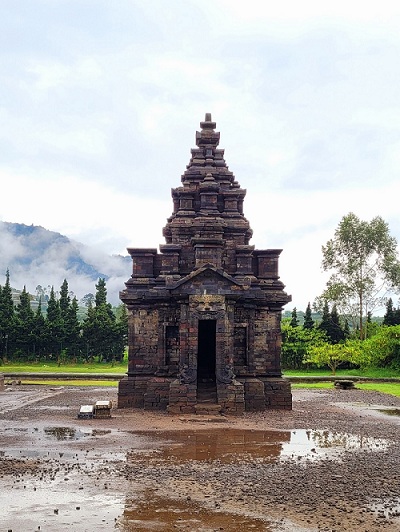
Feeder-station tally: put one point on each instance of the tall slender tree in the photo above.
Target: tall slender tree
(39, 330)
(294, 322)
(362, 257)
(24, 325)
(72, 328)
(64, 299)
(100, 328)
(390, 315)
(325, 323)
(308, 321)
(336, 333)
(7, 319)
(54, 326)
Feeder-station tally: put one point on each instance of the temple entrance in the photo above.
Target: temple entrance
(206, 361)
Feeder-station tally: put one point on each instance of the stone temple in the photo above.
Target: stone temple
(205, 311)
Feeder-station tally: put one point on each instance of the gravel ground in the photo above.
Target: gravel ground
(152, 471)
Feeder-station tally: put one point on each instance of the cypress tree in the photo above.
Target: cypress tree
(101, 331)
(326, 318)
(54, 326)
(294, 322)
(24, 326)
(390, 314)
(64, 300)
(7, 320)
(336, 332)
(308, 321)
(72, 327)
(39, 330)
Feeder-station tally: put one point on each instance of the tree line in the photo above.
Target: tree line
(58, 334)
(364, 267)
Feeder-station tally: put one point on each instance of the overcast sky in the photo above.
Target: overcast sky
(100, 101)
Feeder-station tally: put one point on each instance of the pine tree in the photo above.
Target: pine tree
(64, 300)
(390, 314)
(24, 326)
(100, 329)
(336, 333)
(54, 327)
(7, 320)
(294, 322)
(308, 321)
(39, 331)
(325, 323)
(72, 326)
(101, 293)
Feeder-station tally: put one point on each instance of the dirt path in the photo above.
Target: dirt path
(330, 464)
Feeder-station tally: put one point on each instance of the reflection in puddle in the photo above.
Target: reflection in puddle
(25, 505)
(70, 433)
(38, 442)
(231, 445)
(64, 433)
(35, 506)
(389, 509)
(390, 411)
(316, 444)
(158, 513)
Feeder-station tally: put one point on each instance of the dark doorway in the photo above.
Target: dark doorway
(206, 382)
(206, 351)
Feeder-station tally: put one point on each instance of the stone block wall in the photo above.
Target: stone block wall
(278, 394)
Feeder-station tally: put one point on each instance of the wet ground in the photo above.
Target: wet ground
(330, 464)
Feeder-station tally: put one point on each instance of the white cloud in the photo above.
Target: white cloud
(87, 212)
(99, 118)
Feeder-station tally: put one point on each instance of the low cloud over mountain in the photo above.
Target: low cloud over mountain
(36, 256)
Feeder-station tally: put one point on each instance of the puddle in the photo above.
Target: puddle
(36, 507)
(65, 456)
(52, 408)
(70, 433)
(388, 510)
(155, 513)
(49, 502)
(64, 433)
(58, 433)
(234, 445)
(389, 411)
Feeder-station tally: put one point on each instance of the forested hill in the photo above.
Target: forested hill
(35, 256)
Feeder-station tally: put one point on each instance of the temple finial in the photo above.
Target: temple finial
(208, 123)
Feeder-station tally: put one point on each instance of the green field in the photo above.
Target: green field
(121, 368)
(53, 367)
(373, 373)
(383, 387)
(71, 382)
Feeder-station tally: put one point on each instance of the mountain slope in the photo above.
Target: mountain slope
(36, 256)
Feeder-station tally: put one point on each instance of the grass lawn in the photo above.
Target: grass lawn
(376, 373)
(53, 367)
(72, 382)
(383, 387)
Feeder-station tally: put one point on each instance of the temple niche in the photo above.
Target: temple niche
(205, 311)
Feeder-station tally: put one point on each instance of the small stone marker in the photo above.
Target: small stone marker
(344, 384)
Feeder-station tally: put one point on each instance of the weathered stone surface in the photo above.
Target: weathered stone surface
(204, 313)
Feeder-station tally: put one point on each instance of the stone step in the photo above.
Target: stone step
(207, 400)
(206, 393)
(207, 409)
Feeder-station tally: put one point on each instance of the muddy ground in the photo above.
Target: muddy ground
(331, 464)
